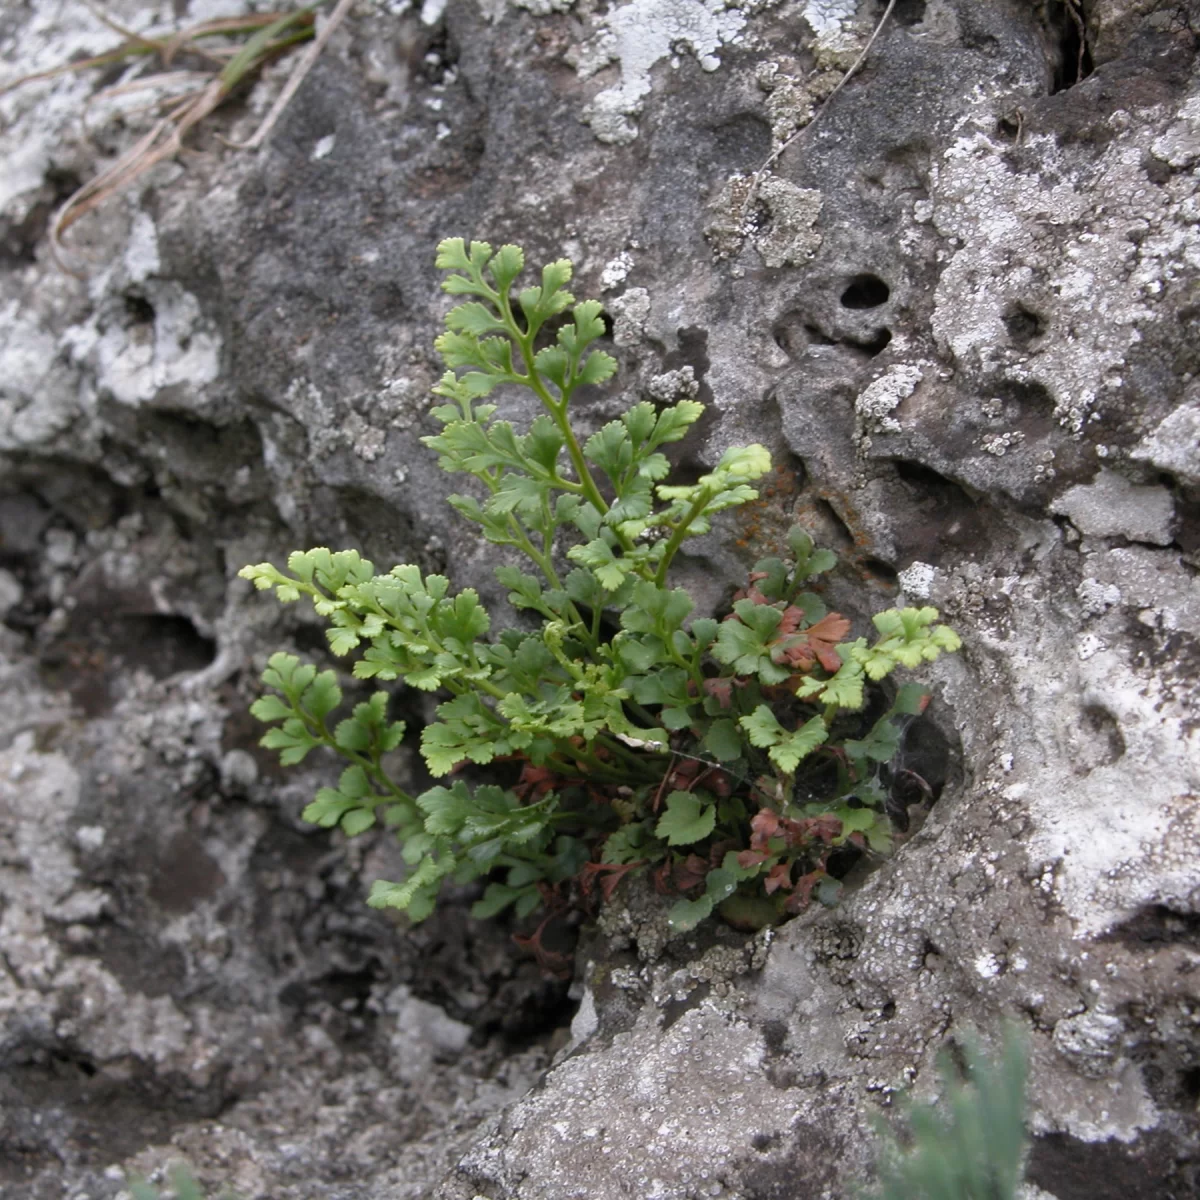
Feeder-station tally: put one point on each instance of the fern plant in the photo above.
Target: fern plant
(730, 758)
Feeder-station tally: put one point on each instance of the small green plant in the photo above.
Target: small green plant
(976, 1149)
(183, 1185)
(730, 758)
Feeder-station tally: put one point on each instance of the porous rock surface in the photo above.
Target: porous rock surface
(961, 311)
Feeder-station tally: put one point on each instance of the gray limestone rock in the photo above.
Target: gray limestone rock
(960, 311)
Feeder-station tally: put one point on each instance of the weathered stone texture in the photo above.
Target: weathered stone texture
(961, 312)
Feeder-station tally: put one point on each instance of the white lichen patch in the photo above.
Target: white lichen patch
(791, 238)
(1121, 845)
(631, 311)
(1180, 145)
(916, 580)
(134, 362)
(878, 400)
(839, 40)
(27, 365)
(638, 35)
(36, 118)
(1095, 242)
(999, 444)
(779, 218)
(1096, 597)
(827, 18)
(616, 271)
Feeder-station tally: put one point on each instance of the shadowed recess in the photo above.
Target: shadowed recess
(865, 291)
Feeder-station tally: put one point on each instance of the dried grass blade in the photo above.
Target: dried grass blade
(777, 153)
(296, 78)
(131, 36)
(166, 79)
(163, 140)
(121, 53)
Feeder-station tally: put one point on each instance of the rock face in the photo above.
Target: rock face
(961, 311)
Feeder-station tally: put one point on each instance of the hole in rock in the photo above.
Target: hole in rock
(881, 570)
(909, 12)
(944, 514)
(1009, 128)
(875, 344)
(139, 310)
(1023, 324)
(865, 291)
(794, 335)
(1105, 728)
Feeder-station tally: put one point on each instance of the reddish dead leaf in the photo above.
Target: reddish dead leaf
(763, 826)
(751, 858)
(818, 642)
(767, 824)
(824, 828)
(608, 875)
(718, 850)
(801, 897)
(535, 782)
(790, 622)
(751, 592)
(779, 876)
(689, 873)
(561, 966)
(824, 636)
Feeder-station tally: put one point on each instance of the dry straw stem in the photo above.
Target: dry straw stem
(295, 79)
(269, 35)
(777, 153)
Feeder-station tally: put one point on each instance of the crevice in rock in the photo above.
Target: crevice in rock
(1067, 28)
(98, 646)
(797, 335)
(1156, 925)
(1071, 1169)
(19, 240)
(884, 572)
(841, 539)
(947, 516)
